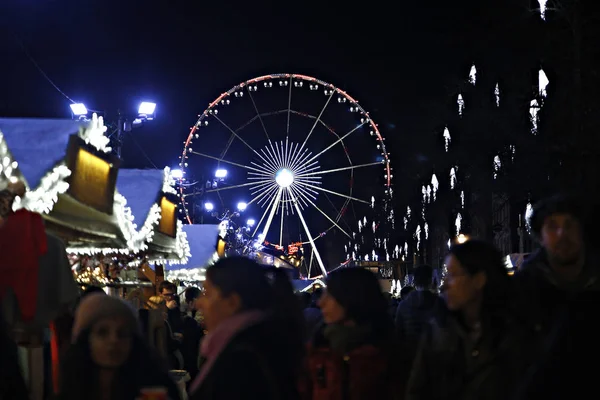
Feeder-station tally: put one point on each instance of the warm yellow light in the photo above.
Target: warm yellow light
(89, 183)
(460, 239)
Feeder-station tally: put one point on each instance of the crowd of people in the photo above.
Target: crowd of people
(245, 335)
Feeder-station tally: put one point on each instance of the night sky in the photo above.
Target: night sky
(403, 61)
(395, 58)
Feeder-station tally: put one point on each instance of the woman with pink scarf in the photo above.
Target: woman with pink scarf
(254, 345)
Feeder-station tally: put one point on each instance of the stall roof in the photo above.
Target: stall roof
(141, 188)
(202, 240)
(37, 144)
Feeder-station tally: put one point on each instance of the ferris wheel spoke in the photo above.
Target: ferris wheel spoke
(307, 189)
(300, 156)
(266, 168)
(289, 109)
(332, 192)
(275, 157)
(226, 161)
(339, 169)
(258, 113)
(237, 186)
(269, 156)
(287, 153)
(271, 201)
(239, 137)
(322, 212)
(272, 213)
(263, 198)
(336, 142)
(310, 238)
(282, 204)
(308, 168)
(318, 119)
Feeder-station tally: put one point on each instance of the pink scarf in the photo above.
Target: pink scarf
(216, 341)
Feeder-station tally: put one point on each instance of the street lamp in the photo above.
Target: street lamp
(241, 206)
(209, 206)
(221, 173)
(250, 222)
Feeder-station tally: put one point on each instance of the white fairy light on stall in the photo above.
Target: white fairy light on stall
(359, 226)
(168, 182)
(497, 94)
(93, 134)
(460, 101)
(405, 248)
(408, 212)
(372, 202)
(393, 287)
(434, 185)
(473, 75)
(426, 230)
(429, 193)
(542, 83)
(449, 244)
(405, 223)
(497, 166)
(534, 108)
(452, 177)
(528, 214)
(513, 151)
(396, 251)
(543, 8)
(418, 236)
(458, 223)
(374, 226)
(447, 139)
(424, 193)
(462, 199)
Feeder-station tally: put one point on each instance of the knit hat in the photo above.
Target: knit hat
(97, 306)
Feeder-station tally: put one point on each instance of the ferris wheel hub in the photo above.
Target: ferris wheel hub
(284, 177)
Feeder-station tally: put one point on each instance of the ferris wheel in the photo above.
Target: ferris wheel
(302, 154)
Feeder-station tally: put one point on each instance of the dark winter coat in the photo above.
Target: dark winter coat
(364, 373)
(256, 364)
(190, 345)
(450, 365)
(565, 317)
(412, 316)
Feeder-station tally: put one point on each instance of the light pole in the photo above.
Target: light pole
(125, 123)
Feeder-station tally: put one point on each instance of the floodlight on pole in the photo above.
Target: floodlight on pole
(209, 206)
(177, 174)
(241, 206)
(147, 108)
(250, 222)
(78, 109)
(221, 173)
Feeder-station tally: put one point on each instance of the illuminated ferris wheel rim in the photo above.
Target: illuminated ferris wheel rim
(289, 185)
(290, 77)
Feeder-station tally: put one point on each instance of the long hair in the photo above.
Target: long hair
(78, 377)
(359, 292)
(264, 289)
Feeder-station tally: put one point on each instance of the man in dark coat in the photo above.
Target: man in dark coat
(559, 292)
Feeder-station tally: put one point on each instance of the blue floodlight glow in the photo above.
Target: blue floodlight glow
(78, 109)
(250, 222)
(209, 206)
(220, 173)
(241, 206)
(147, 108)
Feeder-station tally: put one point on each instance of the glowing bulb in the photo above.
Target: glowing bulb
(284, 178)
